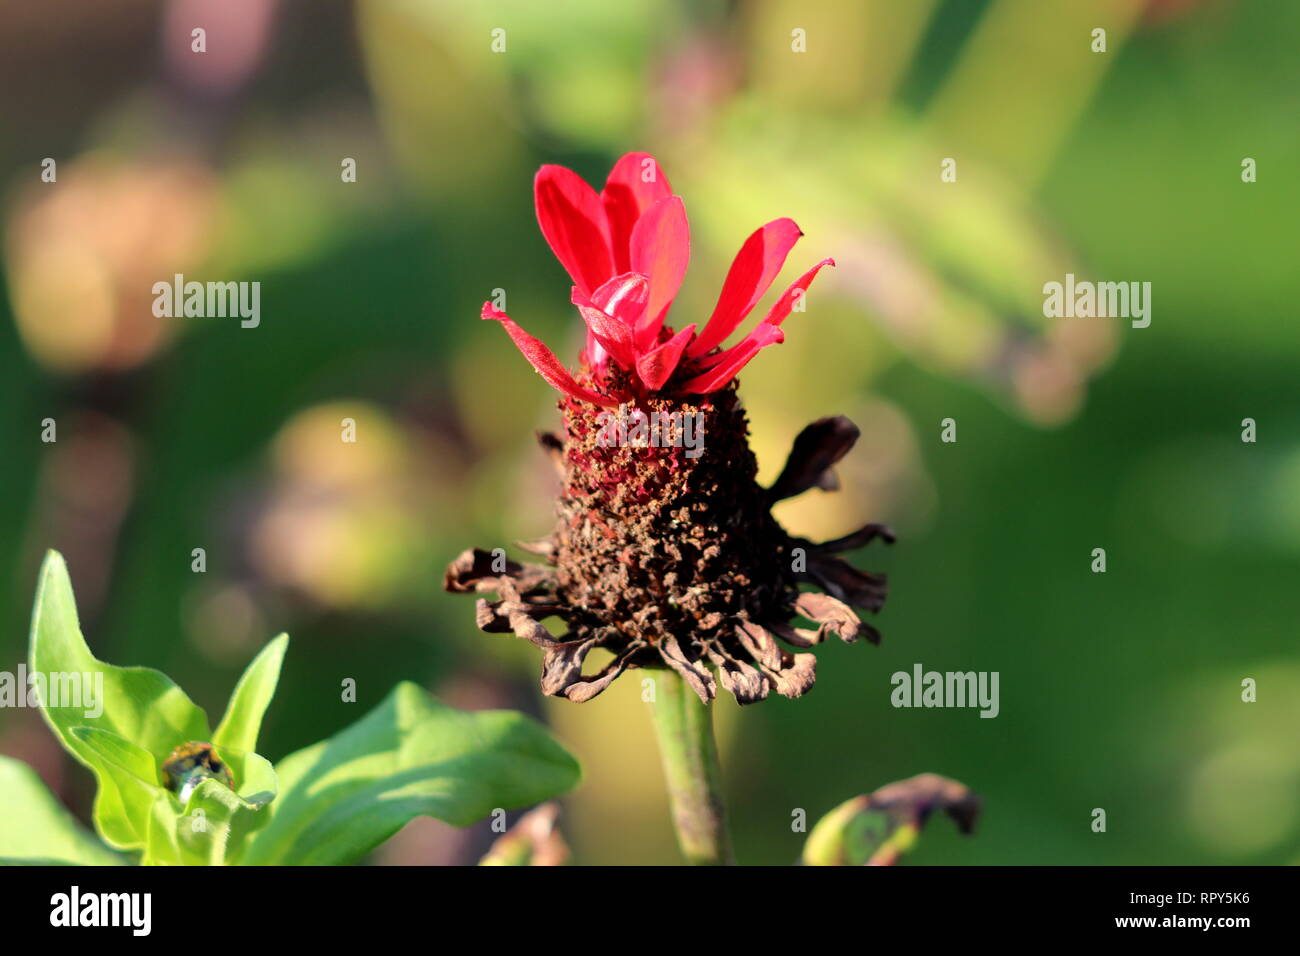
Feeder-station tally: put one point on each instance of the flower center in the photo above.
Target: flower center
(663, 530)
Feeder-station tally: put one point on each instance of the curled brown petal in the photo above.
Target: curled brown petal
(914, 799)
(543, 547)
(562, 665)
(796, 675)
(585, 688)
(834, 615)
(473, 566)
(841, 580)
(759, 644)
(858, 539)
(815, 450)
(496, 617)
(796, 636)
(745, 682)
(696, 675)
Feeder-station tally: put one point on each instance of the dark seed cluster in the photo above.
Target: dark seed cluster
(665, 553)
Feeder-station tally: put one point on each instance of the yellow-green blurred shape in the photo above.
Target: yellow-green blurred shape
(1023, 78)
(853, 53)
(952, 273)
(1233, 763)
(82, 255)
(345, 518)
(1242, 798)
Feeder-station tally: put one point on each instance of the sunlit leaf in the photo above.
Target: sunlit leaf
(34, 828)
(410, 756)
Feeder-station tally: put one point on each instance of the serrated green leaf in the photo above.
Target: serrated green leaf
(252, 695)
(410, 756)
(139, 705)
(36, 830)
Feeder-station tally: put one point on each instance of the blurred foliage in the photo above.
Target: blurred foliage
(1121, 690)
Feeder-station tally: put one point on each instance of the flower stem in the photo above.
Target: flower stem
(684, 726)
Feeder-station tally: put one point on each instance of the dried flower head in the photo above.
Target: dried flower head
(665, 552)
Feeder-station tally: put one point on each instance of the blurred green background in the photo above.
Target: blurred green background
(1119, 690)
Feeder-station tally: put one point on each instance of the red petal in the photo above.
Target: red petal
(543, 359)
(573, 222)
(624, 297)
(734, 359)
(755, 266)
(627, 195)
(661, 248)
(781, 310)
(658, 365)
(778, 313)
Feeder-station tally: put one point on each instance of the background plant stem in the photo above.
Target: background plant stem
(684, 726)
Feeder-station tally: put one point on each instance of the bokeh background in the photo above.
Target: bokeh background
(1119, 690)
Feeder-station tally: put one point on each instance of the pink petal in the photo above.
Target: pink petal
(661, 248)
(626, 197)
(543, 359)
(734, 359)
(610, 333)
(657, 366)
(755, 266)
(624, 297)
(781, 310)
(778, 313)
(573, 221)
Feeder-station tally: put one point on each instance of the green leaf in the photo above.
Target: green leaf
(35, 829)
(252, 695)
(217, 821)
(128, 783)
(410, 756)
(876, 829)
(137, 704)
(210, 829)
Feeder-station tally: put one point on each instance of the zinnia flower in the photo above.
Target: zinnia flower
(665, 552)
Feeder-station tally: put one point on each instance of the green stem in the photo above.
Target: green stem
(684, 726)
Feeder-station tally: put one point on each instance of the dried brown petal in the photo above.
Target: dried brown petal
(834, 615)
(696, 675)
(796, 675)
(914, 799)
(858, 539)
(839, 579)
(472, 566)
(796, 636)
(543, 547)
(759, 644)
(585, 688)
(562, 665)
(815, 450)
(745, 682)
